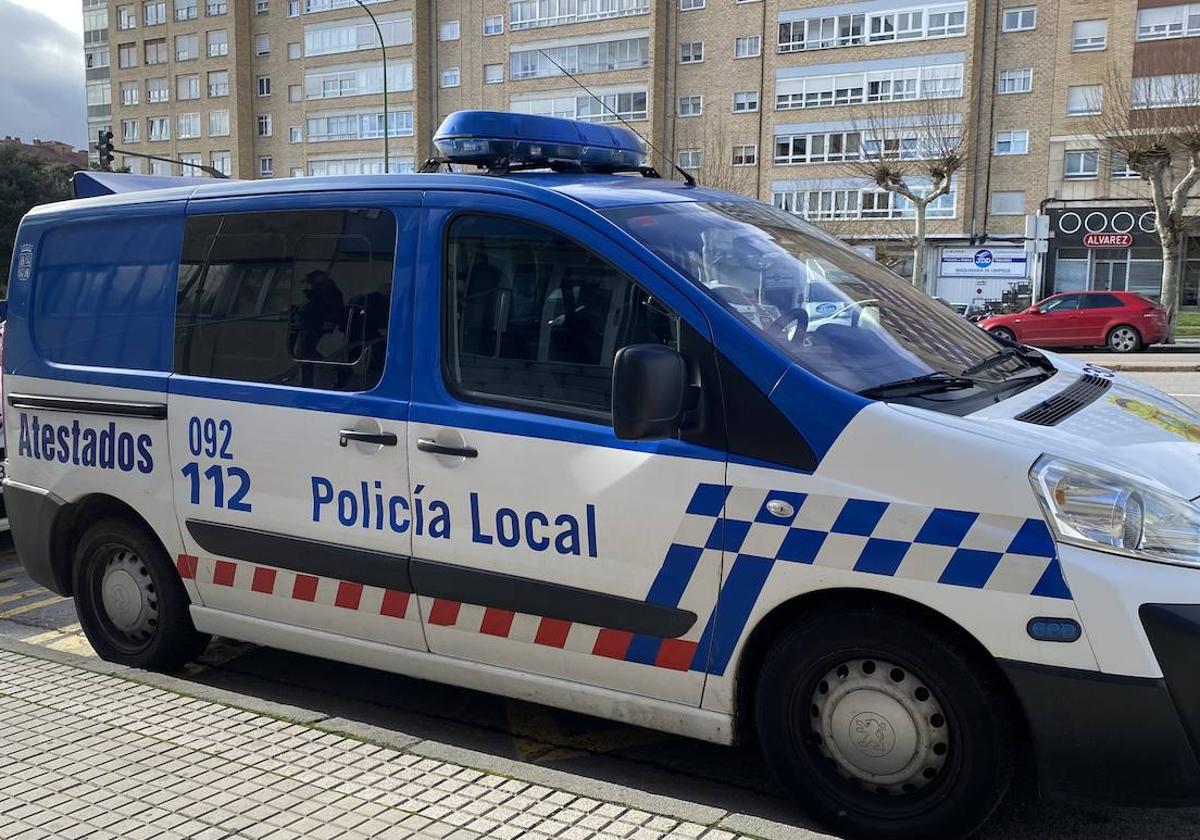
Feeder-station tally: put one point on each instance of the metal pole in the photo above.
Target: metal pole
(387, 160)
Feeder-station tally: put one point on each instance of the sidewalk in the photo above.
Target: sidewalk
(98, 755)
(1174, 359)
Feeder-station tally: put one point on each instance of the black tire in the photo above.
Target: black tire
(145, 621)
(1004, 333)
(971, 724)
(1124, 339)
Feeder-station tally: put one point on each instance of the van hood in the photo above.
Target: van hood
(1124, 425)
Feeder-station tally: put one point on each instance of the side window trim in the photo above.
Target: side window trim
(450, 328)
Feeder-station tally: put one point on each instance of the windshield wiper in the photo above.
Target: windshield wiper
(928, 383)
(1000, 356)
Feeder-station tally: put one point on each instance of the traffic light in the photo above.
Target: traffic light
(104, 148)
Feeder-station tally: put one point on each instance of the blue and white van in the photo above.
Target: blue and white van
(589, 437)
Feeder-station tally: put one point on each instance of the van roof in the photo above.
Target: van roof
(595, 191)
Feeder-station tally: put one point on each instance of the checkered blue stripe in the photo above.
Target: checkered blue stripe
(939, 545)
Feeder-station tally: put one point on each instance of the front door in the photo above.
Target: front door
(287, 413)
(542, 542)
(1057, 321)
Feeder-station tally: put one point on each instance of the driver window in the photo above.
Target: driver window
(1061, 304)
(534, 317)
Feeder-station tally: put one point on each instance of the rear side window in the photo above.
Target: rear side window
(536, 319)
(297, 298)
(1101, 301)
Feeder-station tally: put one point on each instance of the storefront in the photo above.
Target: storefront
(979, 276)
(1113, 249)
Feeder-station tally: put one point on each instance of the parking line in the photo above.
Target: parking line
(17, 596)
(24, 608)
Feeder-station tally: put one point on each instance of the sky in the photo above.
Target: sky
(41, 65)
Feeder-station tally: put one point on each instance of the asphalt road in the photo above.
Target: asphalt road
(731, 778)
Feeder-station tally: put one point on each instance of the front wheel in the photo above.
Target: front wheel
(1124, 339)
(1004, 334)
(883, 728)
(130, 600)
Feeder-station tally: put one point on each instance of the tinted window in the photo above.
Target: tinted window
(534, 317)
(291, 298)
(1060, 304)
(1101, 301)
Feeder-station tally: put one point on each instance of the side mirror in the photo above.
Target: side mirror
(1033, 310)
(649, 388)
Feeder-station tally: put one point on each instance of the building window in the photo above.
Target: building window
(293, 8)
(1166, 91)
(691, 52)
(493, 74)
(1081, 163)
(837, 146)
(448, 31)
(218, 123)
(344, 37)
(691, 106)
(159, 129)
(266, 166)
(690, 5)
(189, 126)
(264, 125)
(126, 55)
(129, 93)
(216, 7)
(450, 77)
(129, 131)
(595, 57)
(1177, 21)
(856, 28)
(294, 50)
(218, 43)
(262, 7)
(187, 86)
(159, 167)
(1089, 35)
(745, 101)
(126, 17)
(154, 13)
(185, 9)
(938, 81)
(264, 85)
(295, 134)
(1016, 81)
(262, 44)
(187, 47)
(158, 89)
(295, 93)
(1012, 142)
(1084, 99)
(188, 164)
(745, 155)
(156, 51)
(493, 25)
(600, 108)
(1008, 203)
(218, 83)
(1020, 19)
(297, 172)
(690, 158)
(222, 162)
(747, 46)
(1118, 167)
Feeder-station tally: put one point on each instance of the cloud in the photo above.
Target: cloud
(41, 63)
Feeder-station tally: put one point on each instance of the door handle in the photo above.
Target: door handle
(378, 438)
(430, 445)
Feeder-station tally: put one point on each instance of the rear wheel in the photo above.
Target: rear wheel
(1003, 333)
(883, 728)
(1124, 339)
(130, 599)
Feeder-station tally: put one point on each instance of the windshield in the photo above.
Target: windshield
(837, 313)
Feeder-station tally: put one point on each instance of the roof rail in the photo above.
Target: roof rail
(90, 184)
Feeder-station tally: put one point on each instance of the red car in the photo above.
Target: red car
(1123, 321)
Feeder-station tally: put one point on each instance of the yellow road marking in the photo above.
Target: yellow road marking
(24, 608)
(77, 644)
(17, 596)
(4, 584)
(538, 738)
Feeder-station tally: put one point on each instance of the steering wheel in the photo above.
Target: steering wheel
(797, 315)
(856, 308)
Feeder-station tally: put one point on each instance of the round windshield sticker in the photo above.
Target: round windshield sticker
(826, 308)
(25, 262)
(983, 258)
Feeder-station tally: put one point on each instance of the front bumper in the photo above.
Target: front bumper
(1129, 740)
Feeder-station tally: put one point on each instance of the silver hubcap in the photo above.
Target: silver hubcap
(1123, 339)
(127, 593)
(880, 726)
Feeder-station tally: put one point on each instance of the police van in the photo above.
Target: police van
(566, 431)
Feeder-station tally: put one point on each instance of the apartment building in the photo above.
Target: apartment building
(771, 98)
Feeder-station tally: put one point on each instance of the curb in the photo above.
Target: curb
(712, 816)
(1134, 367)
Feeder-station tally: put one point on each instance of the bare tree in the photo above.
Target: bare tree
(1154, 125)
(714, 144)
(900, 153)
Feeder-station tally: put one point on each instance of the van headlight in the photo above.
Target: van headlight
(1100, 510)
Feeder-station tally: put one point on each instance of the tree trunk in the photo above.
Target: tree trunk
(1172, 247)
(918, 275)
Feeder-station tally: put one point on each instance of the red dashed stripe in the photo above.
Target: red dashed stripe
(497, 622)
(305, 588)
(187, 565)
(444, 613)
(263, 581)
(612, 643)
(349, 595)
(675, 654)
(552, 632)
(394, 603)
(224, 573)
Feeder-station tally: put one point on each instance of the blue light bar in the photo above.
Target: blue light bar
(502, 140)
